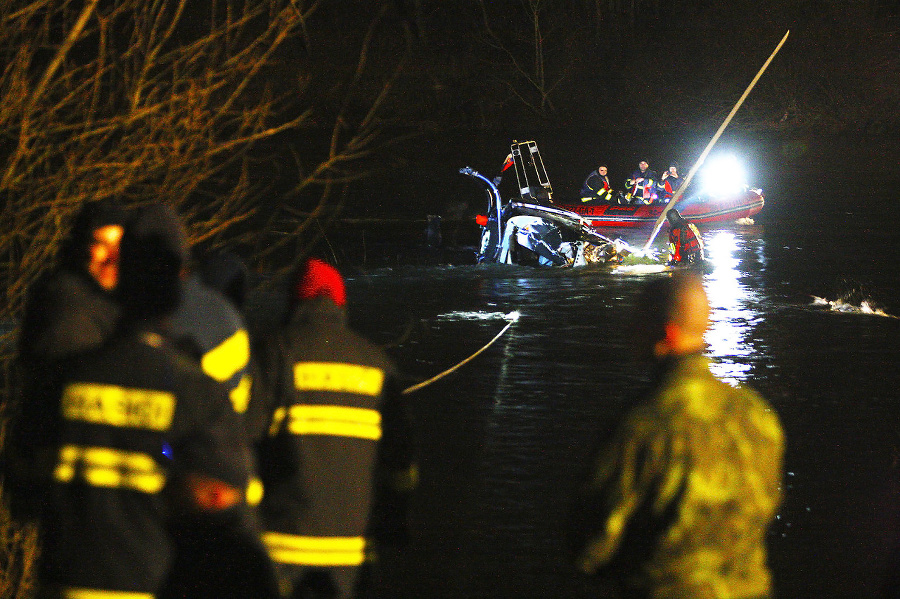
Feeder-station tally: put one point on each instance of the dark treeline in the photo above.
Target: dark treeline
(651, 64)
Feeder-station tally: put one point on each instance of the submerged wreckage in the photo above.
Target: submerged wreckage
(534, 230)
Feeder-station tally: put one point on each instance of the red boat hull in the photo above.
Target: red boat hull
(698, 210)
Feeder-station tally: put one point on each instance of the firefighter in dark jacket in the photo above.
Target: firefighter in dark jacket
(134, 430)
(669, 183)
(71, 309)
(596, 188)
(640, 187)
(338, 464)
(685, 243)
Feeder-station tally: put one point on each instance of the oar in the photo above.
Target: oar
(687, 180)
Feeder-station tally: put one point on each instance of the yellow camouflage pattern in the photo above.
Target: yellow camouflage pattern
(705, 460)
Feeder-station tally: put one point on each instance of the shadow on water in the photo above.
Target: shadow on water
(506, 438)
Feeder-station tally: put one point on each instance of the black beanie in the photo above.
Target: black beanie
(153, 253)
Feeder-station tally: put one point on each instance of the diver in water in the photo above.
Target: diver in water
(685, 243)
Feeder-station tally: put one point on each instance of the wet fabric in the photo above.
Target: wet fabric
(685, 243)
(337, 464)
(679, 503)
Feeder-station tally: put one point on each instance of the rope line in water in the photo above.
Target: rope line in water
(514, 316)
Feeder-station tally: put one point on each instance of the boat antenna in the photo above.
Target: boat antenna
(687, 180)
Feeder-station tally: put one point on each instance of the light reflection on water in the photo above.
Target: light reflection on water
(733, 310)
(506, 438)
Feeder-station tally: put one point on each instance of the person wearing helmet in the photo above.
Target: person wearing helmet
(337, 463)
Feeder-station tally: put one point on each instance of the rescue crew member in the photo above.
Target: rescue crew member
(596, 188)
(72, 309)
(669, 183)
(685, 243)
(679, 502)
(640, 187)
(215, 557)
(69, 310)
(338, 465)
(209, 326)
(130, 421)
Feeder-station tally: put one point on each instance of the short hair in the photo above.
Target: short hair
(659, 304)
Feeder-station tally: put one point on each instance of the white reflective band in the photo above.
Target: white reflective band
(338, 378)
(339, 421)
(118, 406)
(111, 468)
(315, 551)
(79, 593)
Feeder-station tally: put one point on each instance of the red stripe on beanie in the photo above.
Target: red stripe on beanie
(320, 278)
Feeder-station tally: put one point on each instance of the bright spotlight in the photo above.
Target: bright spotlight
(723, 175)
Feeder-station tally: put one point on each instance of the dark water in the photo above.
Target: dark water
(505, 439)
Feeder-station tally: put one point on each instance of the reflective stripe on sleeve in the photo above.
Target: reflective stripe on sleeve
(240, 395)
(340, 421)
(118, 406)
(110, 468)
(80, 593)
(338, 378)
(315, 551)
(227, 358)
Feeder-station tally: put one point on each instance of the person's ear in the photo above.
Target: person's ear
(669, 343)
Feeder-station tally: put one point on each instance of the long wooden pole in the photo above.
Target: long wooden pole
(687, 180)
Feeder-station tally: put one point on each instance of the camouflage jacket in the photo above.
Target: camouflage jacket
(679, 504)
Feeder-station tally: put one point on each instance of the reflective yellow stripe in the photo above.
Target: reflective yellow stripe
(240, 395)
(277, 418)
(112, 468)
(230, 356)
(315, 551)
(78, 593)
(255, 491)
(340, 421)
(336, 377)
(118, 406)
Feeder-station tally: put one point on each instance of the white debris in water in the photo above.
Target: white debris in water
(512, 316)
(641, 269)
(745, 221)
(838, 305)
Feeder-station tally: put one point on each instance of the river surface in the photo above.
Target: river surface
(805, 304)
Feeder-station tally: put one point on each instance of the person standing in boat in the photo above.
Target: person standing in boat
(596, 188)
(679, 503)
(640, 187)
(685, 243)
(669, 183)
